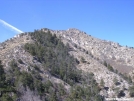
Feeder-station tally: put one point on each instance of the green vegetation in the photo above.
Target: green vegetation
(51, 52)
(5, 88)
(102, 83)
(131, 89)
(115, 80)
(20, 61)
(79, 93)
(56, 60)
(83, 60)
(126, 77)
(109, 67)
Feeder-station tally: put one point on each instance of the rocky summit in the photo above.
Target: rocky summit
(65, 65)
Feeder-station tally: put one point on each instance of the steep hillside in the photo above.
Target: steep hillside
(37, 66)
(64, 65)
(103, 50)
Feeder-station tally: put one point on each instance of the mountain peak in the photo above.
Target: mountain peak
(90, 53)
(74, 30)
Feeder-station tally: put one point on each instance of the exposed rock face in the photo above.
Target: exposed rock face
(93, 50)
(12, 47)
(101, 49)
(120, 57)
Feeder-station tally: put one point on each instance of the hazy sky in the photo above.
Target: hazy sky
(105, 19)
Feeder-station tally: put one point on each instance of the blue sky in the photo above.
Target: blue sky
(105, 19)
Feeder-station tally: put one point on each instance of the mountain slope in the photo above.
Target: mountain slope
(38, 67)
(35, 59)
(101, 49)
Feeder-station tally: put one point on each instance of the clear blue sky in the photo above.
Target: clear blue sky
(105, 19)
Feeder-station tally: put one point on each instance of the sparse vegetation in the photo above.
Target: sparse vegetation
(54, 55)
(46, 68)
(126, 77)
(83, 60)
(109, 67)
(102, 83)
(131, 89)
(56, 60)
(20, 61)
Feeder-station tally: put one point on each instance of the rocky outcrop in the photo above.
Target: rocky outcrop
(120, 57)
(101, 49)
(93, 50)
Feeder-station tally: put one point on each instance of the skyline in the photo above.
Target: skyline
(106, 19)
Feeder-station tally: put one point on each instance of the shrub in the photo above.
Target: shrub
(20, 61)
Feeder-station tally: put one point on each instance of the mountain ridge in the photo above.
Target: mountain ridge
(89, 51)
